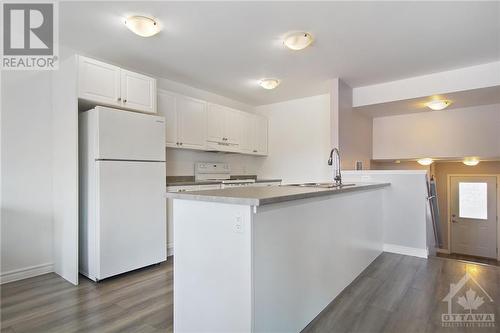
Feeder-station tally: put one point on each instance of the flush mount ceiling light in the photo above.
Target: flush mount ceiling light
(142, 25)
(471, 161)
(425, 161)
(438, 104)
(269, 83)
(298, 40)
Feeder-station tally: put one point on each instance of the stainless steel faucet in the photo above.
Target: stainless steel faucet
(337, 177)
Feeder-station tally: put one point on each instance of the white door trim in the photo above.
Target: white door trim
(448, 213)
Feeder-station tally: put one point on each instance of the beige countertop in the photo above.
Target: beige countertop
(258, 196)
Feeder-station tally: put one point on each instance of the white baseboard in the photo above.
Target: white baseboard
(446, 251)
(408, 251)
(170, 250)
(24, 273)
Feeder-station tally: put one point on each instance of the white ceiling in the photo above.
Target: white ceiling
(226, 47)
(459, 99)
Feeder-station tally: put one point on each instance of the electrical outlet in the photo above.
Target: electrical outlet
(238, 225)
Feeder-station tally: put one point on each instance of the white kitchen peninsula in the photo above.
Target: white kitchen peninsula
(269, 259)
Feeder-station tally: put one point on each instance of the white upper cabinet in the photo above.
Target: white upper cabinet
(223, 128)
(247, 138)
(254, 135)
(216, 115)
(191, 120)
(138, 91)
(109, 85)
(167, 108)
(232, 126)
(195, 124)
(261, 136)
(98, 82)
(185, 120)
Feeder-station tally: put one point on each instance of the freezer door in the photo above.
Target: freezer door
(131, 224)
(125, 135)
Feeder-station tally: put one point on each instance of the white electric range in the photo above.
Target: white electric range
(208, 171)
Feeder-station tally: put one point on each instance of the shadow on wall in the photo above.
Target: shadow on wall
(26, 239)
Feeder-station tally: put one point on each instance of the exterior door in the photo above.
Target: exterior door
(473, 220)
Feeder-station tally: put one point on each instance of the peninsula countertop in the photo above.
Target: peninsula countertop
(258, 196)
(190, 180)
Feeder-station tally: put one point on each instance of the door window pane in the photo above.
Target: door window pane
(473, 200)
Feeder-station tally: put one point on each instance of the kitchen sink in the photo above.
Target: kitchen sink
(321, 185)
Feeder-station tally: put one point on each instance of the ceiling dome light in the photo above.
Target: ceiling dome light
(471, 161)
(269, 83)
(142, 25)
(298, 40)
(425, 161)
(438, 104)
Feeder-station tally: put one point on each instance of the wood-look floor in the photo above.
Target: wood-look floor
(394, 294)
(474, 259)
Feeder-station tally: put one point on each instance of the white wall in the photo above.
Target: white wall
(201, 94)
(472, 131)
(26, 157)
(65, 167)
(404, 208)
(467, 78)
(354, 131)
(299, 140)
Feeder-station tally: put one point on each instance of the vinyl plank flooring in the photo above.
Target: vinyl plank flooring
(398, 294)
(394, 294)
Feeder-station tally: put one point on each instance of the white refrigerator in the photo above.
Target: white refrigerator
(122, 192)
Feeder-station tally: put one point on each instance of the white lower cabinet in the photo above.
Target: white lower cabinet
(170, 221)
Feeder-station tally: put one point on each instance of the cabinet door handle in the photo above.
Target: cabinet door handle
(119, 99)
(124, 101)
(181, 143)
(254, 151)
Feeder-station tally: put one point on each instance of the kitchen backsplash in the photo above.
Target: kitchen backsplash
(181, 162)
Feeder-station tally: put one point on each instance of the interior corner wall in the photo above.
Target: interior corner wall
(299, 140)
(26, 173)
(352, 130)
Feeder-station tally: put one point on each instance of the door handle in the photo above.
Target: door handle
(454, 221)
